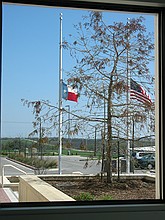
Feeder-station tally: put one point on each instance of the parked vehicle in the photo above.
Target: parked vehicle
(147, 161)
(140, 154)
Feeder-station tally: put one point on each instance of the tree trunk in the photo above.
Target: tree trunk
(109, 133)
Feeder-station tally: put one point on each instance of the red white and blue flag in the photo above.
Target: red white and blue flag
(69, 93)
(137, 92)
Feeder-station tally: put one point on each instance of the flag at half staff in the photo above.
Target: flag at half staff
(69, 93)
(137, 92)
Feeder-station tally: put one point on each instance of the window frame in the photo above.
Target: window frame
(94, 210)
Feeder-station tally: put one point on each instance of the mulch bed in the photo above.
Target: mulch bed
(118, 190)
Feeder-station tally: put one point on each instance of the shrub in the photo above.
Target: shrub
(35, 162)
(84, 197)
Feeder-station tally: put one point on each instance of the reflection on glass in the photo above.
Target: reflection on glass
(78, 101)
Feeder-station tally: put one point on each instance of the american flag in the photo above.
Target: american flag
(137, 92)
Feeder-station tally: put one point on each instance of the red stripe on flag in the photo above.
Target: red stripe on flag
(137, 92)
(72, 96)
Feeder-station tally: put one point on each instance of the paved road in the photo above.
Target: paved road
(69, 165)
(72, 164)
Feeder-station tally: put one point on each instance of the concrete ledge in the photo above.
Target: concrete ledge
(33, 189)
(70, 177)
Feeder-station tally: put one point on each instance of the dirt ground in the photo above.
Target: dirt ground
(100, 190)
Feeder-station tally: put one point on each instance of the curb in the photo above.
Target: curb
(26, 165)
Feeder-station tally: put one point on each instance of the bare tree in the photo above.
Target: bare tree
(105, 56)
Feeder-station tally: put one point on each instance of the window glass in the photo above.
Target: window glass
(78, 101)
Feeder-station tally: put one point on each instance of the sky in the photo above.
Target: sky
(30, 60)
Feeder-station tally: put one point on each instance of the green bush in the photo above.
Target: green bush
(84, 197)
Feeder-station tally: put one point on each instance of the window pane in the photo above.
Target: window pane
(78, 101)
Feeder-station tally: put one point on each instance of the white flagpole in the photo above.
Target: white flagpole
(60, 99)
(128, 115)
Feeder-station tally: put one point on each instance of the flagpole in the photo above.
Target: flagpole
(60, 98)
(128, 116)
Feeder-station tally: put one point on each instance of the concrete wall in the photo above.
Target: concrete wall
(33, 189)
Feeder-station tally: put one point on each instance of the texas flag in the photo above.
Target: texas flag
(68, 93)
